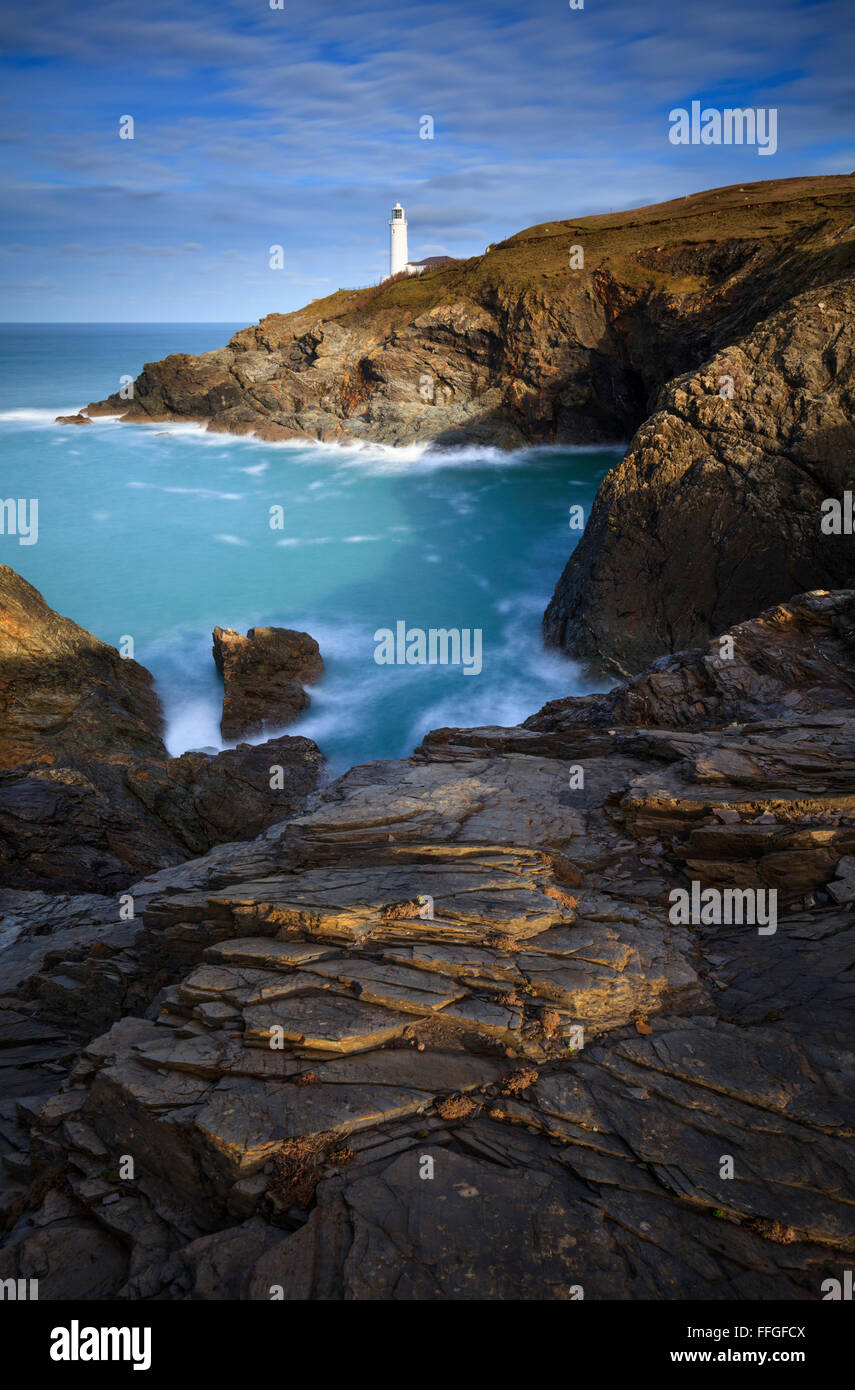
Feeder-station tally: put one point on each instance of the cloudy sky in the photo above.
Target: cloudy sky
(300, 126)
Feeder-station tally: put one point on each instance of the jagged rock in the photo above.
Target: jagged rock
(504, 1222)
(69, 1257)
(264, 673)
(207, 800)
(220, 1263)
(717, 509)
(65, 696)
(795, 658)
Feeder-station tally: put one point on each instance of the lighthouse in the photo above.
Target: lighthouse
(398, 254)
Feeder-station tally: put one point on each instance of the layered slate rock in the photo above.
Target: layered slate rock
(264, 674)
(720, 507)
(438, 1036)
(796, 657)
(89, 797)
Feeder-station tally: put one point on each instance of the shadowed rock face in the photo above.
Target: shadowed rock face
(346, 1056)
(264, 674)
(89, 797)
(717, 509)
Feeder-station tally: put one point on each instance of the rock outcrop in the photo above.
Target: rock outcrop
(438, 1036)
(264, 674)
(798, 657)
(717, 510)
(65, 695)
(89, 798)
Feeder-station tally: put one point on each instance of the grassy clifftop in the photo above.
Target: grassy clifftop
(670, 247)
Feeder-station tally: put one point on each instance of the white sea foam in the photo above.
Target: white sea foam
(362, 455)
(39, 419)
(206, 493)
(290, 542)
(193, 723)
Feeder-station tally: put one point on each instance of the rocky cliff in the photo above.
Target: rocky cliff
(519, 346)
(718, 508)
(438, 1037)
(436, 1033)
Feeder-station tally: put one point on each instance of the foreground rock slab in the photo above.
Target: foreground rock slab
(437, 1036)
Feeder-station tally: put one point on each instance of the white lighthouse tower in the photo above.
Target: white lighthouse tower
(398, 254)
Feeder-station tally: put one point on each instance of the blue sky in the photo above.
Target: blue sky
(300, 127)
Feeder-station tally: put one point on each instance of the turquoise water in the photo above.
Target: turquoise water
(159, 532)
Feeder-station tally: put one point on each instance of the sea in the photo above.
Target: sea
(160, 532)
